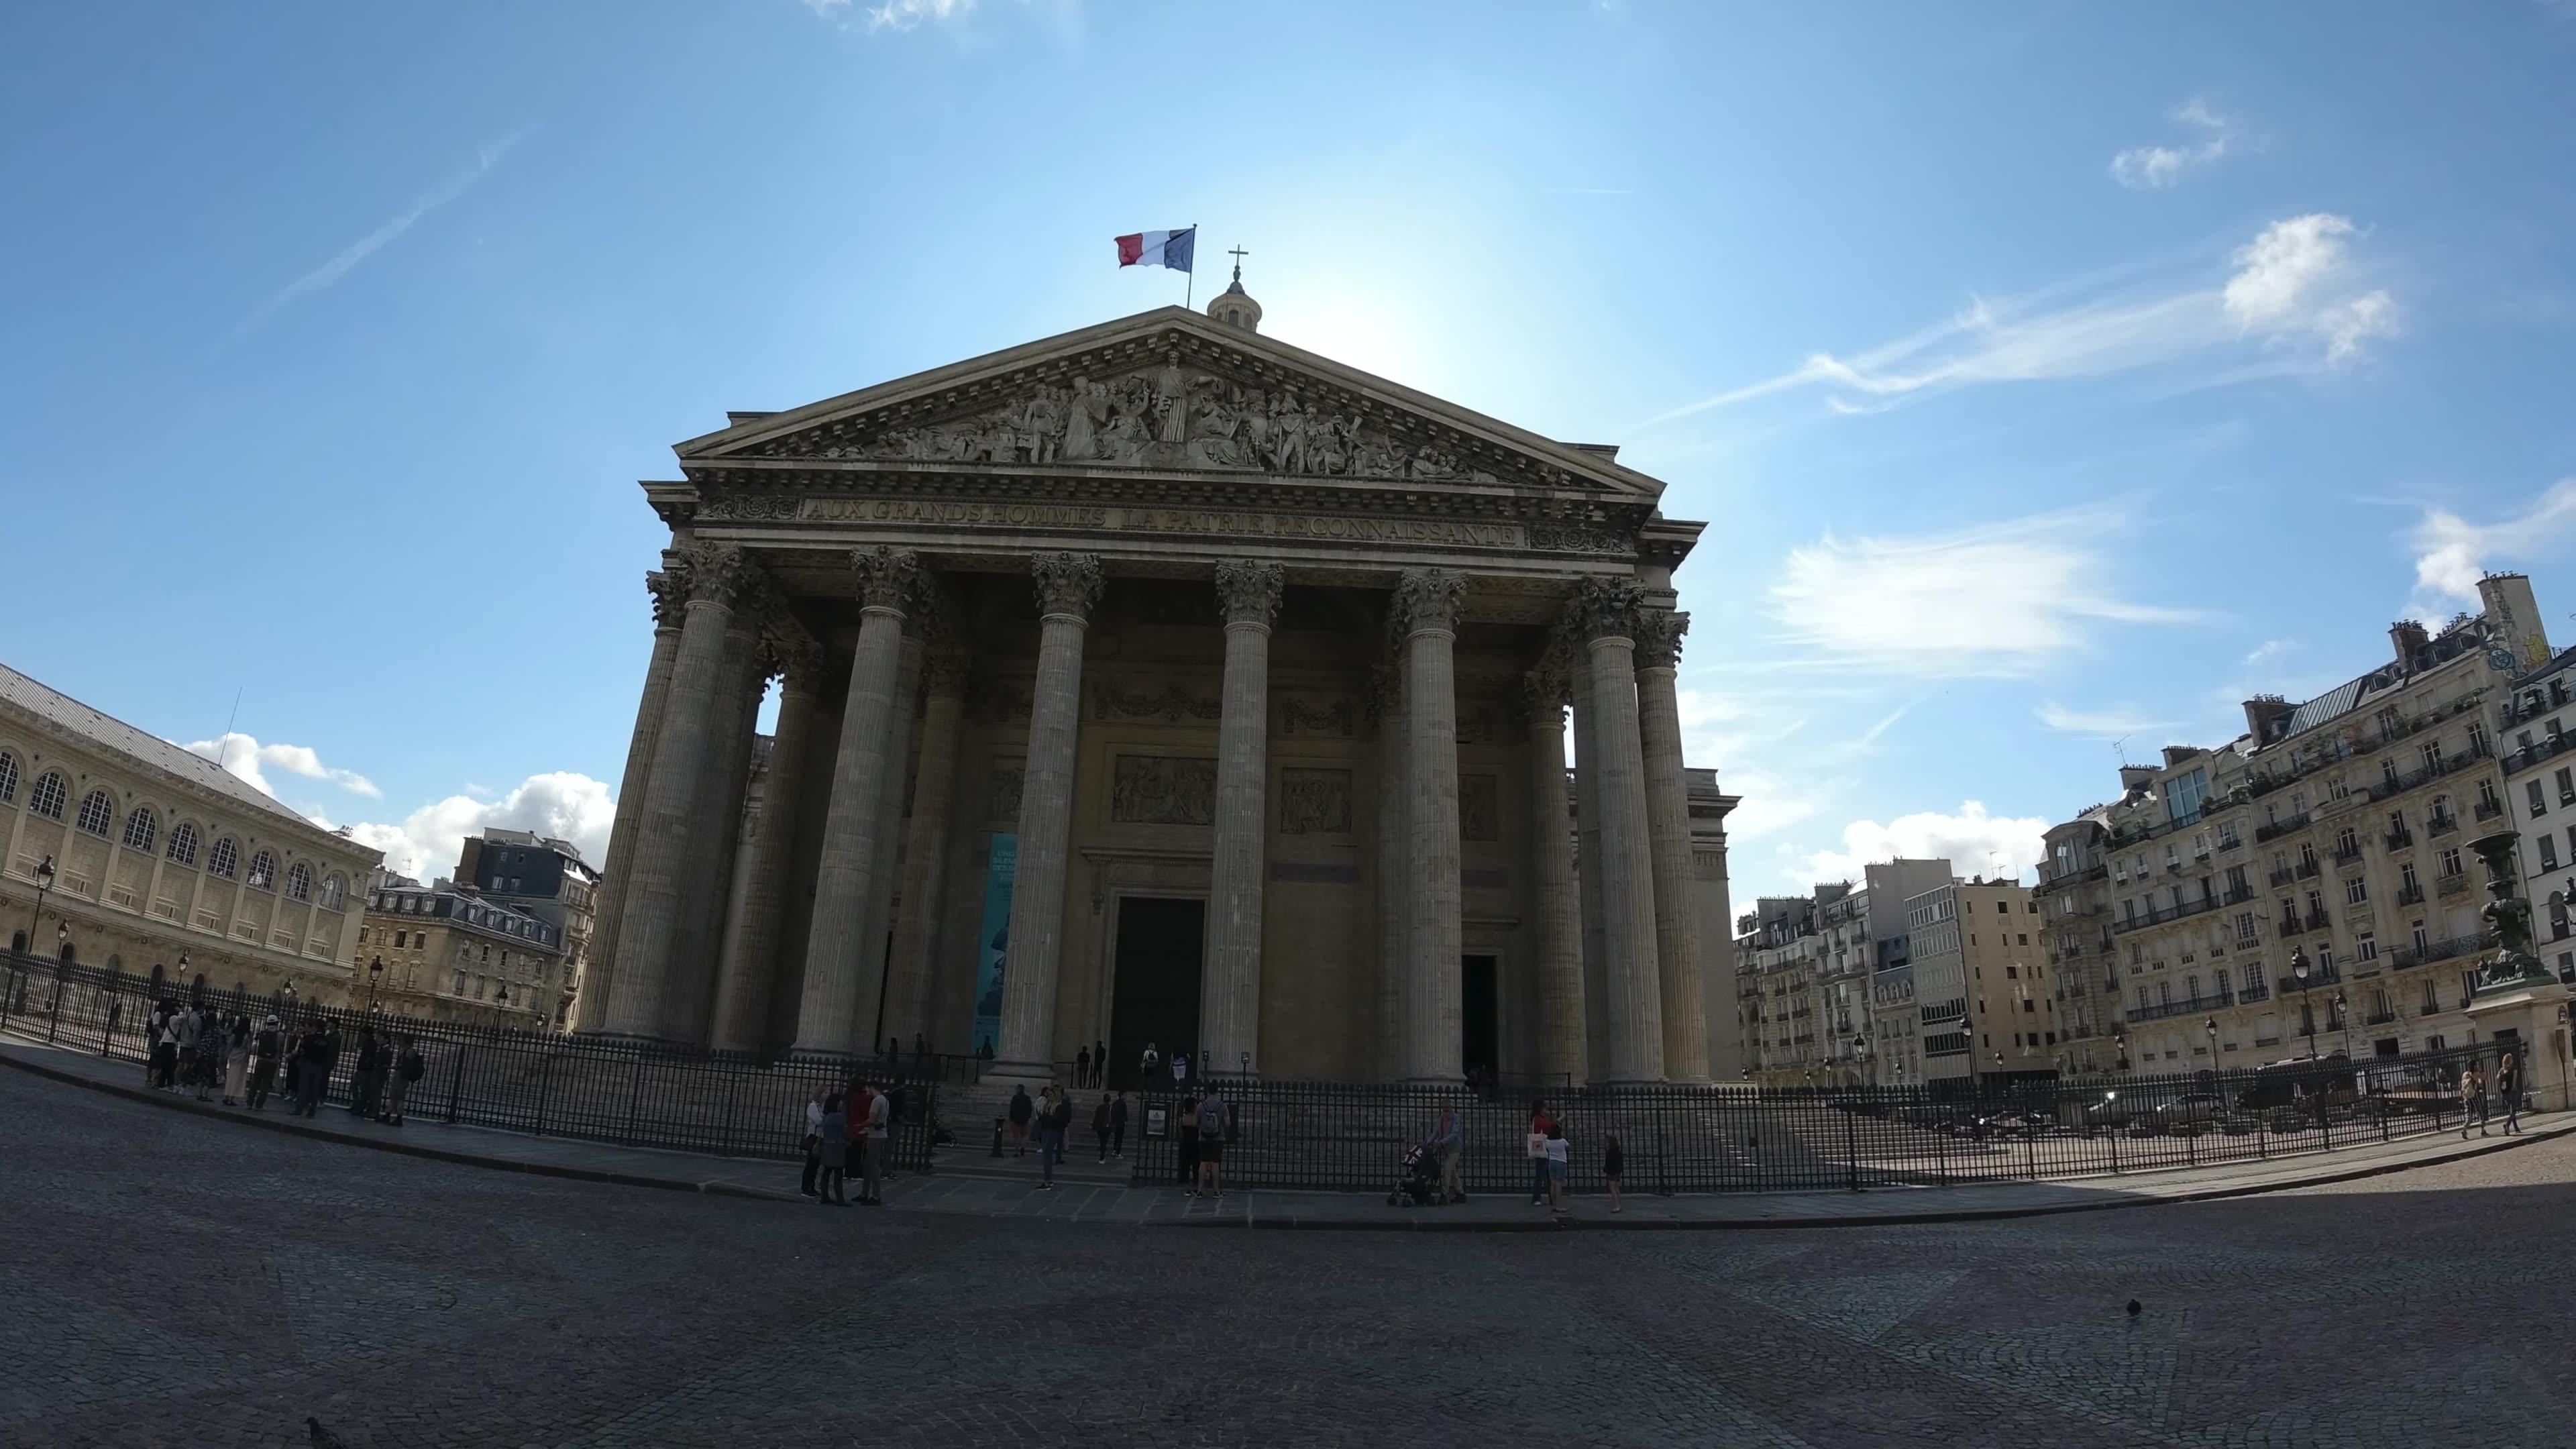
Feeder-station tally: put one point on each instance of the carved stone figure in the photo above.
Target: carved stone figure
(1156, 790)
(1004, 805)
(1479, 814)
(1303, 716)
(1085, 416)
(1314, 802)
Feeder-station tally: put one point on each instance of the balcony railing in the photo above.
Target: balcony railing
(2537, 751)
(2454, 884)
(2289, 985)
(2399, 839)
(2282, 877)
(2165, 1009)
(2412, 895)
(2347, 857)
(2489, 809)
(2317, 921)
(2446, 949)
(2432, 770)
(2441, 824)
(2379, 1018)
(2252, 994)
(2305, 870)
(2161, 914)
(2238, 895)
(2278, 828)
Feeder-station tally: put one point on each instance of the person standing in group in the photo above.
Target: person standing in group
(2509, 1093)
(1146, 1064)
(1118, 1126)
(1448, 1141)
(408, 1069)
(1185, 1126)
(1050, 1132)
(1019, 1115)
(1082, 1068)
(1540, 1125)
(1099, 1063)
(832, 1135)
(263, 1069)
(237, 1062)
(189, 1028)
(362, 1084)
(1614, 1161)
(1100, 1126)
(814, 1139)
(2473, 1101)
(1557, 1148)
(313, 1073)
(878, 1137)
(1212, 1138)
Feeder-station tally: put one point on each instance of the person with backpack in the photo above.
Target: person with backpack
(408, 1068)
(1214, 1124)
(264, 1051)
(1019, 1113)
(237, 1063)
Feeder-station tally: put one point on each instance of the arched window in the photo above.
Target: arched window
(263, 872)
(47, 798)
(159, 975)
(224, 859)
(332, 889)
(299, 882)
(97, 812)
(183, 845)
(142, 828)
(8, 777)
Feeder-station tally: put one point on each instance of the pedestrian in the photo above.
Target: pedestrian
(1212, 1134)
(2509, 1093)
(1100, 1126)
(1082, 1067)
(832, 1129)
(408, 1069)
(330, 1060)
(1540, 1124)
(2473, 1101)
(1557, 1147)
(896, 1097)
(237, 1062)
(1020, 1113)
(214, 1046)
(1146, 1065)
(313, 1071)
(813, 1139)
(1448, 1141)
(920, 1050)
(1053, 1115)
(1187, 1151)
(189, 1028)
(1613, 1162)
(164, 1031)
(362, 1086)
(1180, 1066)
(263, 1071)
(1118, 1126)
(878, 1135)
(1099, 1062)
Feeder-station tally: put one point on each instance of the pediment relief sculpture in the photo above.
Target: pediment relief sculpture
(1171, 418)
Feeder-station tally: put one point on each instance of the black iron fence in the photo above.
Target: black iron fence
(1338, 1136)
(627, 1093)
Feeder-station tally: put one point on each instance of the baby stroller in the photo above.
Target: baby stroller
(1417, 1178)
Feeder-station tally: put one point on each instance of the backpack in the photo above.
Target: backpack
(411, 1066)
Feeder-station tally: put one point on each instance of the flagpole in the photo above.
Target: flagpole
(1189, 287)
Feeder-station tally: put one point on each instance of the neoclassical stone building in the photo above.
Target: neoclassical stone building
(1160, 682)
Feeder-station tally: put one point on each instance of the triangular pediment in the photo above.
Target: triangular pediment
(1166, 390)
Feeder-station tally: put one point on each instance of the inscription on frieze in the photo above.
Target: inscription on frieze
(1158, 790)
(1171, 703)
(1314, 802)
(1117, 518)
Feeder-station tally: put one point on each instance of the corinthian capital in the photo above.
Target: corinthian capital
(888, 577)
(1426, 600)
(669, 587)
(1068, 583)
(797, 660)
(1659, 638)
(1544, 690)
(1249, 592)
(718, 573)
(1603, 609)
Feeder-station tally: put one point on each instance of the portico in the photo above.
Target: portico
(1160, 681)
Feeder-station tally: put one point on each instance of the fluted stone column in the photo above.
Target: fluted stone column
(1668, 839)
(1427, 603)
(1068, 586)
(1606, 621)
(839, 963)
(1230, 1000)
(1386, 701)
(688, 1000)
(1587, 857)
(670, 591)
(925, 851)
(907, 698)
(1555, 899)
(748, 972)
(717, 573)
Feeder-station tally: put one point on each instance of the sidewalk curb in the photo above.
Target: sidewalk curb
(1409, 1223)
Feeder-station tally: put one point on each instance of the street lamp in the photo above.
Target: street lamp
(375, 973)
(2343, 1013)
(2120, 1047)
(2307, 1014)
(44, 883)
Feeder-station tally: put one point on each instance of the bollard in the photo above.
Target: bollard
(997, 1137)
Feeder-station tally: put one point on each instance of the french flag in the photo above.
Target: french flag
(1159, 249)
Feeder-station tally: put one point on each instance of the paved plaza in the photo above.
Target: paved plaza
(174, 1279)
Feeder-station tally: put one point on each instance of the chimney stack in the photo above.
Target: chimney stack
(2513, 619)
(2407, 638)
(2267, 717)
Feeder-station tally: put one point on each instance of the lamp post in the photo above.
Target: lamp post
(375, 973)
(2343, 1013)
(2307, 1014)
(44, 883)
(2120, 1047)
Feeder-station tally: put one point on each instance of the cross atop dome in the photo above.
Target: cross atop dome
(1234, 306)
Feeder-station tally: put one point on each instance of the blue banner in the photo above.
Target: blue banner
(1001, 868)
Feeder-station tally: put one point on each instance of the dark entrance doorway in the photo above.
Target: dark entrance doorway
(1157, 998)
(1479, 1028)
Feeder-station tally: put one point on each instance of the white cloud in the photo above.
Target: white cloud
(2451, 552)
(366, 246)
(2269, 650)
(243, 756)
(2152, 168)
(2115, 723)
(562, 804)
(892, 14)
(1974, 843)
(1992, 602)
(2292, 301)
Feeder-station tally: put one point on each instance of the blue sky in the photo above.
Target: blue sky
(2050, 376)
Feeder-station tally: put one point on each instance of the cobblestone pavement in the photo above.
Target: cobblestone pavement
(169, 1279)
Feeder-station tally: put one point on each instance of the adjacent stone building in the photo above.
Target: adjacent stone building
(450, 953)
(1160, 682)
(545, 878)
(157, 861)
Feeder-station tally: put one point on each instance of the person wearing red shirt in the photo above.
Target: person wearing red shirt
(1540, 1126)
